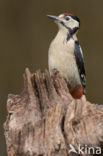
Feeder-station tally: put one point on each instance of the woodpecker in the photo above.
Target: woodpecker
(65, 54)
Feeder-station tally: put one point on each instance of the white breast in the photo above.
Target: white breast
(61, 56)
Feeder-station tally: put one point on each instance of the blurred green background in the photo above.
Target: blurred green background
(25, 35)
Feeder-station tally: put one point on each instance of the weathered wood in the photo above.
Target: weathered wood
(44, 120)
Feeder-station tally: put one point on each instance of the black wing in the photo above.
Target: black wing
(80, 64)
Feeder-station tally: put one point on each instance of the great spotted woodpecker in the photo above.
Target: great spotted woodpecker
(65, 54)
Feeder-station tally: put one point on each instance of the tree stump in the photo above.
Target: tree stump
(44, 120)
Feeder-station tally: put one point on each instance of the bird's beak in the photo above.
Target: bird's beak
(53, 17)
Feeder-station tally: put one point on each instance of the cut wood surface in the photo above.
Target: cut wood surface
(44, 120)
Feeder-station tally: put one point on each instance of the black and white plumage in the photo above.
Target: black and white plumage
(65, 53)
(80, 63)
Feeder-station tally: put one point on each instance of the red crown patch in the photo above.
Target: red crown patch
(68, 14)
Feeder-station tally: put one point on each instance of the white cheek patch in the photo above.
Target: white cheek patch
(72, 23)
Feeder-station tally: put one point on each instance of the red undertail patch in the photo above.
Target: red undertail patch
(77, 92)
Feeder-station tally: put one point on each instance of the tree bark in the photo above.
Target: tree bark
(44, 120)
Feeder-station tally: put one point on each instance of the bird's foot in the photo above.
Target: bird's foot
(55, 71)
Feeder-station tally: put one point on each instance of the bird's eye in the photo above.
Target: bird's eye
(67, 18)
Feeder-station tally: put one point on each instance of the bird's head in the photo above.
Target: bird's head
(67, 21)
